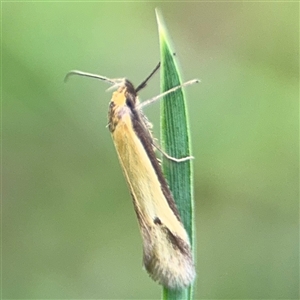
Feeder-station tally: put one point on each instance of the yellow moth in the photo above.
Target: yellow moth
(167, 254)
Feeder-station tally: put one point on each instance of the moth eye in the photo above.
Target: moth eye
(129, 102)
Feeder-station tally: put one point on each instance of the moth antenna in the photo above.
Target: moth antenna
(112, 81)
(144, 83)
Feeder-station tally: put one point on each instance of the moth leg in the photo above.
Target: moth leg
(182, 159)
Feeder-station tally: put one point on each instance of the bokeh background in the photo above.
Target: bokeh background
(69, 230)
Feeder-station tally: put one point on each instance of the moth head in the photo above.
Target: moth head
(125, 95)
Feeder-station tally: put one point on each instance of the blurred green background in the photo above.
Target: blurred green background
(68, 226)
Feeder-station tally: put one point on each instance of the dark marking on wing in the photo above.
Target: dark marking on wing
(157, 221)
(177, 242)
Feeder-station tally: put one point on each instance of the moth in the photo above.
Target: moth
(167, 254)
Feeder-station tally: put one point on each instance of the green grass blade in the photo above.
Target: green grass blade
(175, 139)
